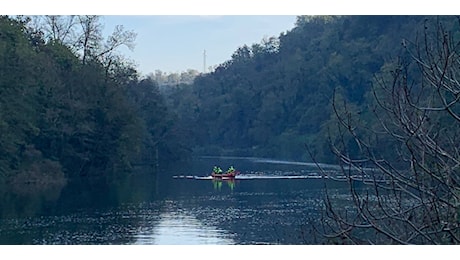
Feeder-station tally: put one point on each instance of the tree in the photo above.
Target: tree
(64, 118)
(58, 28)
(91, 36)
(409, 155)
(83, 34)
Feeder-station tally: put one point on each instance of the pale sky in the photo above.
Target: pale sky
(173, 34)
(177, 43)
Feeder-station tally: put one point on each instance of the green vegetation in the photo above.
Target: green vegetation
(273, 97)
(365, 92)
(378, 92)
(409, 138)
(70, 111)
(74, 106)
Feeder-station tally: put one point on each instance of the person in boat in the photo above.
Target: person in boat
(217, 170)
(231, 169)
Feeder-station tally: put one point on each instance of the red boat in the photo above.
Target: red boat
(225, 175)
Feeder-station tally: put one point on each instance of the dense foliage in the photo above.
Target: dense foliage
(372, 92)
(65, 105)
(379, 95)
(271, 98)
(64, 116)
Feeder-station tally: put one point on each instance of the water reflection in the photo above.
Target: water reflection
(217, 183)
(182, 228)
(23, 200)
(267, 204)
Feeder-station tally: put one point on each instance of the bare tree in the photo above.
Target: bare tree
(60, 28)
(90, 36)
(83, 34)
(413, 191)
(55, 28)
(107, 54)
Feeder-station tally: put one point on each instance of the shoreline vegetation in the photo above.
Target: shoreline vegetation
(360, 92)
(82, 108)
(72, 107)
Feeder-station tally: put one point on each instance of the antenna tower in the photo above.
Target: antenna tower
(204, 61)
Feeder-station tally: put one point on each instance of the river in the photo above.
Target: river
(271, 202)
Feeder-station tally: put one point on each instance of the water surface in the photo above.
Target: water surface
(271, 202)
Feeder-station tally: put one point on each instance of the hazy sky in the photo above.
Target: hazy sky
(177, 43)
(172, 34)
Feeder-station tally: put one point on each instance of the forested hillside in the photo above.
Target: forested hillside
(71, 110)
(273, 98)
(71, 106)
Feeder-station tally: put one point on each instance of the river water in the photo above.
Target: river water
(271, 202)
